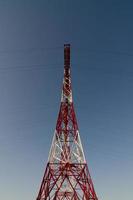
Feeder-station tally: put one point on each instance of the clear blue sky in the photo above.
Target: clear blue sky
(32, 35)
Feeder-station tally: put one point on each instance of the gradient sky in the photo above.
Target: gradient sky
(32, 35)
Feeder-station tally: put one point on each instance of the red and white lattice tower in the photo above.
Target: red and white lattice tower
(66, 176)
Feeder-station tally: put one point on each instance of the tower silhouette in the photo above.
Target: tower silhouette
(66, 175)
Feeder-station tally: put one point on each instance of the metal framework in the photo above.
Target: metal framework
(66, 176)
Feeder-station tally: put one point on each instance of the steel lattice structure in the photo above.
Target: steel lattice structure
(66, 176)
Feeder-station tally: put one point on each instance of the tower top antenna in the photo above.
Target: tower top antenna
(66, 56)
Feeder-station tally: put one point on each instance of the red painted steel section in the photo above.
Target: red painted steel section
(67, 179)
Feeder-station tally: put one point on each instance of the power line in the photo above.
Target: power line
(31, 67)
(112, 52)
(100, 70)
(78, 50)
(30, 50)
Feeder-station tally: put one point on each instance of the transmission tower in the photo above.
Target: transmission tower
(66, 175)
